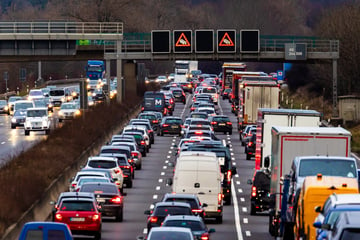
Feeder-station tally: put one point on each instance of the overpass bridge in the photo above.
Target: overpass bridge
(69, 41)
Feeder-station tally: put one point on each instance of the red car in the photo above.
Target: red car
(81, 215)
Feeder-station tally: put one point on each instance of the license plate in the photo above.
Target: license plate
(75, 219)
(221, 124)
(100, 200)
(174, 126)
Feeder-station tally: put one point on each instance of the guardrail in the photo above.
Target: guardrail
(61, 27)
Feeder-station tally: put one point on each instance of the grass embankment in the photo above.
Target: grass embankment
(303, 99)
(24, 179)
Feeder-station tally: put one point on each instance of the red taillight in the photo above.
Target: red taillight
(117, 171)
(134, 154)
(142, 108)
(213, 123)
(96, 217)
(142, 142)
(250, 144)
(116, 200)
(196, 210)
(153, 219)
(58, 217)
(73, 185)
(192, 108)
(127, 167)
(219, 198)
(205, 236)
(171, 101)
(228, 175)
(155, 121)
(130, 160)
(229, 123)
(198, 133)
(189, 85)
(253, 191)
(216, 95)
(165, 125)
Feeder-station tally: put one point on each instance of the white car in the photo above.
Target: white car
(69, 110)
(213, 92)
(37, 119)
(35, 94)
(161, 79)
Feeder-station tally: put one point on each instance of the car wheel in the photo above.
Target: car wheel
(230, 133)
(97, 236)
(27, 132)
(13, 126)
(227, 200)
(248, 156)
(223, 98)
(219, 219)
(152, 141)
(161, 134)
(138, 167)
(129, 184)
(147, 149)
(144, 154)
(158, 133)
(252, 209)
(171, 113)
(119, 217)
(47, 132)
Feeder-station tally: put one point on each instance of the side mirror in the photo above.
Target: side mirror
(326, 226)
(82, 166)
(267, 162)
(317, 224)
(204, 205)
(233, 171)
(147, 212)
(249, 181)
(228, 145)
(211, 230)
(169, 182)
(52, 202)
(318, 209)
(140, 238)
(171, 164)
(174, 145)
(175, 153)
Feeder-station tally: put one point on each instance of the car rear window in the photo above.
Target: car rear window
(197, 122)
(192, 202)
(193, 225)
(98, 189)
(199, 115)
(176, 121)
(209, 90)
(172, 210)
(221, 119)
(147, 116)
(77, 206)
(171, 235)
(102, 164)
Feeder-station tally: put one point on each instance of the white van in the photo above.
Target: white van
(199, 173)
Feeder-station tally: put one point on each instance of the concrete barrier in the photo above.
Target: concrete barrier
(41, 209)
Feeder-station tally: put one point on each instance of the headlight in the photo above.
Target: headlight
(63, 99)
(88, 86)
(88, 80)
(77, 112)
(94, 94)
(50, 105)
(13, 120)
(61, 112)
(6, 108)
(44, 123)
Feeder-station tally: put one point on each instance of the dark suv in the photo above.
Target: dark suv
(260, 191)
(250, 147)
(179, 95)
(171, 125)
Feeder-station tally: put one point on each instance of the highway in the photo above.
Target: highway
(149, 187)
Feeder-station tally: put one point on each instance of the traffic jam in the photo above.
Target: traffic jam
(303, 184)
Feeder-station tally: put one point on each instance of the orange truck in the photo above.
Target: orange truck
(315, 190)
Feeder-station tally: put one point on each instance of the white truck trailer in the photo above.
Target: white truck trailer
(268, 117)
(290, 142)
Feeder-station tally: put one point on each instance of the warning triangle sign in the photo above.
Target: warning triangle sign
(182, 41)
(226, 41)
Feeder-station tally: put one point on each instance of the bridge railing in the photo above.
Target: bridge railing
(61, 27)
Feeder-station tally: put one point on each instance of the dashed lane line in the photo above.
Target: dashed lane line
(155, 196)
(245, 220)
(161, 180)
(248, 233)
(236, 213)
(157, 188)
(240, 190)
(242, 199)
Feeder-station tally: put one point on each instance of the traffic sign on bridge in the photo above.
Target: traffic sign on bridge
(226, 41)
(160, 41)
(250, 41)
(182, 41)
(204, 41)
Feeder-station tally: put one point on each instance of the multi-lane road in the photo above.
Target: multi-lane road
(150, 183)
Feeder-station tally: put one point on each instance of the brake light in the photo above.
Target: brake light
(153, 219)
(192, 108)
(134, 154)
(205, 236)
(116, 200)
(58, 217)
(229, 123)
(155, 121)
(198, 133)
(216, 95)
(130, 160)
(142, 142)
(96, 217)
(142, 108)
(213, 123)
(127, 167)
(189, 85)
(171, 101)
(196, 210)
(228, 175)
(165, 125)
(253, 191)
(219, 198)
(73, 185)
(117, 171)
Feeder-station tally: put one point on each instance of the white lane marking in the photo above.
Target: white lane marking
(232, 154)
(240, 190)
(167, 161)
(245, 220)
(145, 231)
(238, 182)
(171, 147)
(234, 163)
(168, 156)
(244, 209)
(161, 180)
(231, 149)
(236, 213)
(2, 142)
(233, 158)
(162, 173)
(174, 140)
(248, 233)
(242, 199)
(164, 167)
(174, 137)
(228, 138)
(231, 145)
(157, 188)
(155, 196)
(236, 175)
(170, 152)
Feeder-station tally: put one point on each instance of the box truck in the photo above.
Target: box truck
(227, 71)
(255, 92)
(290, 142)
(268, 117)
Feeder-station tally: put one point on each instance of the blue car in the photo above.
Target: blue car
(45, 231)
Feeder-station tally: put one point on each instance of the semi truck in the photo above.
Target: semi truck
(95, 73)
(268, 117)
(255, 92)
(227, 71)
(183, 69)
(290, 142)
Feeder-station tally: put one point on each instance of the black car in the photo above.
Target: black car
(18, 118)
(140, 140)
(98, 95)
(226, 93)
(221, 123)
(154, 121)
(126, 150)
(126, 167)
(170, 125)
(179, 95)
(260, 191)
(163, 209)
(250, 147)
(187, 86)
(148, 128)
(108, 197)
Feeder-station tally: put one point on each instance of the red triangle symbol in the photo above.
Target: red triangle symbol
(182, 41)
(226, 41)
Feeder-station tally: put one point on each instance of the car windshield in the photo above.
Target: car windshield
(193, 225)
(36, 93)
(116, 150)
(350, 234)
(36, 113)
(327, 167)
(3, 102)
(13, 99)
(77, 206)
(40, 103)
(68, 106)
(23, 105)
(196, 115)
(102, 164)
(171, 210)
(57, 93)
(170, 235)
(87, 180)
(19, 113)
